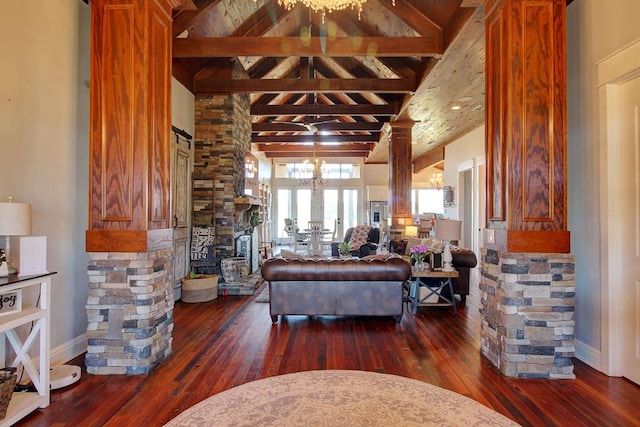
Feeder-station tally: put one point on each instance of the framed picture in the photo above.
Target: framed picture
(11, 302)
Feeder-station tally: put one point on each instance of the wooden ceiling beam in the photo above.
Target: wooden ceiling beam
(324, 127)
(430, 158)
(323, 110)
(217, 86)
(305, 139)
(287, 148)
(183, 20)
(414, 18)
(310, 154)
(210, 47)
(261, 21)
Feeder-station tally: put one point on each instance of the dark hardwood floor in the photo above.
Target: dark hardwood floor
(231, 340)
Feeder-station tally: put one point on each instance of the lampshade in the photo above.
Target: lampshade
(15, 219)
(448, 229)
(411, 231)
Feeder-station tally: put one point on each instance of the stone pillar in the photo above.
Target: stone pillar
(130, 311)
(400, 176)
(222, 139)
(527, 313)
(527, 271)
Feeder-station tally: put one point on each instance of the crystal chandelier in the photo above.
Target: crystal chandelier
(313, 171)
(436, 180)
(326, 6)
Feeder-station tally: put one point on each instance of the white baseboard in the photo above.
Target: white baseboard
(69, 350)
(589, 355)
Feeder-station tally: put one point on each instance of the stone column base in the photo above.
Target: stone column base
(130, 311)
(527, 313)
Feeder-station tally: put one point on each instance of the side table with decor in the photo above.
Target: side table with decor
(443, 282)
(463, 261)
(14, 313)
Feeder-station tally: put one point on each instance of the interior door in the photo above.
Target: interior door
(181, 185)
(630, 227)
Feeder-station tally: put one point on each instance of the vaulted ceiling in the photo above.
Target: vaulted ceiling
(332, 84)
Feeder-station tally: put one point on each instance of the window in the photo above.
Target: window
(427, 200)
(329, 170)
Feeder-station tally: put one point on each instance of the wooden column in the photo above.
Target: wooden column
(526, 126)
(527, 272)
(400, 171)
(129, 203)
(130, 235)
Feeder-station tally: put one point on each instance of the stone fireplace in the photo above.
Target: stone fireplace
(222, 139)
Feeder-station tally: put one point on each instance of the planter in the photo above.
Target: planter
(201, 289)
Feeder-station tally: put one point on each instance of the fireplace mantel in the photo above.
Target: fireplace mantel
(247, 203)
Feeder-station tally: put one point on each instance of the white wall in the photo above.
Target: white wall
(464, 151)
(182, 108)
(44, 140)
(595, 30)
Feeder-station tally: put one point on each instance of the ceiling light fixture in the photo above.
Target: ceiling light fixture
(326, 6)
(313, 172)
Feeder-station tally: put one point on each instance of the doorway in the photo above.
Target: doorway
(471, 182)
(630, 227)
(619, 97)
(338, 207)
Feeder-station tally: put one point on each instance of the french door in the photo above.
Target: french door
(338, 207)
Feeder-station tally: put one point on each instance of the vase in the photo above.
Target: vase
(419, 266)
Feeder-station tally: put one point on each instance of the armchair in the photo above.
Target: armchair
(368, 248)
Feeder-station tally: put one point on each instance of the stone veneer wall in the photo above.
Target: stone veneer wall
(527, 313)
(130, 311)
(222, 138)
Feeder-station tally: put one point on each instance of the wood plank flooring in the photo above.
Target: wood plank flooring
(231, 340)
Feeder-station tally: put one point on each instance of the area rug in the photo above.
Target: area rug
(264, 295)
(339, 398)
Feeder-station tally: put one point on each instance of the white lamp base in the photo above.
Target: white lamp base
(447, 258)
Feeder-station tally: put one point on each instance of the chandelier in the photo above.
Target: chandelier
(436, 180)
(326, 6)
(313, 174)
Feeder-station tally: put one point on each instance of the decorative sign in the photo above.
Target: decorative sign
(11, 302)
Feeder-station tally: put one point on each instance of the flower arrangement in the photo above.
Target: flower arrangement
(419, 252)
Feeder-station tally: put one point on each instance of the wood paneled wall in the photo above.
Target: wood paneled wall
(526, 125)
(130, 123)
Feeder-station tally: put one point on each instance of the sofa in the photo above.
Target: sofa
(370, 286)
(463, 261)
(368, 248)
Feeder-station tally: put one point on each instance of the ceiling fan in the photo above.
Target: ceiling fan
(310, 124)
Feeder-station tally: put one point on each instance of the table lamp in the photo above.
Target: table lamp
(448, 230)
(15, 220)
(411, 231)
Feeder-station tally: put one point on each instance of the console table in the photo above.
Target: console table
(444, 281)
(24, 403)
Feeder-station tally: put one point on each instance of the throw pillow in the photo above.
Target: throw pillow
(411, 242)
(359, 236)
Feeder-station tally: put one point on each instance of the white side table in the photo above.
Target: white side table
(24, 403)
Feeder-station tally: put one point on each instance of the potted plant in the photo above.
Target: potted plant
(418, 254)
(344, 248)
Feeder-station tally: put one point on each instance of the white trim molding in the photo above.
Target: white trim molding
(589, 355)
(69, 350)
(612, 71)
